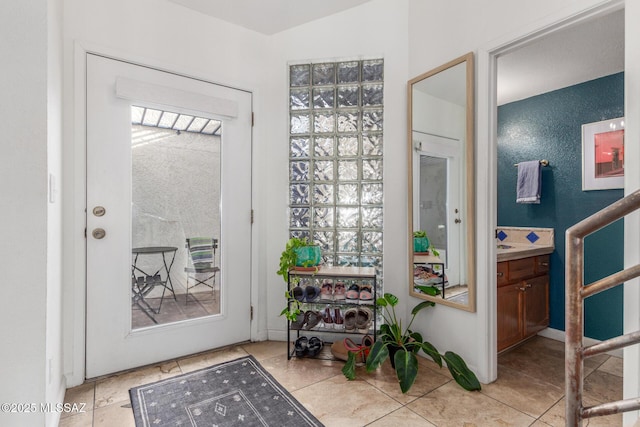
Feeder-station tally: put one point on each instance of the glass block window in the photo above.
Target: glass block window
(335, 159)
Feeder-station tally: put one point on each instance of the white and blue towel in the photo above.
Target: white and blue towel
(529, 184)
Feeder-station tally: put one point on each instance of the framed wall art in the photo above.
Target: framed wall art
(603, 155)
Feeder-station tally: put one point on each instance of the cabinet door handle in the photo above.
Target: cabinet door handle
(527, 285)
(546, 264)
(500, 274)
(522, 288)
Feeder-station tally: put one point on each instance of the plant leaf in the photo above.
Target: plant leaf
(422, 305)
(428, 348)
(381, 302)
(396, 332)
(429, 290)
(377, 355)
(406, 368)
(391, 299)
(460, 372)
(415, 336)
(349, 368)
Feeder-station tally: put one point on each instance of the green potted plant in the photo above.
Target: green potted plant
(422, 244)
(298, 253)
(402, 344)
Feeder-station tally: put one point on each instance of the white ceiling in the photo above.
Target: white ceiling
(269, 16)
(570, 56)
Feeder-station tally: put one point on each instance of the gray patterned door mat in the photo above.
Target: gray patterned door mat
(235, 393)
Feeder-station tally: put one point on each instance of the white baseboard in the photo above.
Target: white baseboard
(558, 335)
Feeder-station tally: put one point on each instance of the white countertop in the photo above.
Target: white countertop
(521, 250)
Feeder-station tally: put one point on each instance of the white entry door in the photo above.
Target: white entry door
(168, 159)
(440, 202)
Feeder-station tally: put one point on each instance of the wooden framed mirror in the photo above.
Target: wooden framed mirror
(441, 187)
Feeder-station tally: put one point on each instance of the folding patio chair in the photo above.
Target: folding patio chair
(201, 264)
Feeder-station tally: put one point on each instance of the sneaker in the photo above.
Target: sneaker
(338, 319)
(353, 294)
(326, 292)
(339, 291)
(366, 297)
(312, 293)
(326, 318)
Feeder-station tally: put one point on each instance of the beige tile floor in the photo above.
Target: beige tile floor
(529, 390)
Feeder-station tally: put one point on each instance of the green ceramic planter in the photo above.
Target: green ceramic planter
(308, 256)
(420, 244)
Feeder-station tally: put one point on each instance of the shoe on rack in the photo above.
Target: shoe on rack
(366, 296)
(353, 294)
(326, 292)
(358, 350)
(364, 316)
(313, 318)
(298, 293)
(339, 291)
(311, 293)
(315, 346)
(338, 322)
(301, 319)
(326, 318)
(301, 346)
(350, 319)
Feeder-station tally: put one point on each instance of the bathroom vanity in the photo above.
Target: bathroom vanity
(523, 283)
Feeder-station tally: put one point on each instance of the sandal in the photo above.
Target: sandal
(353, 294)
(313, 318)
(350, 319)
(366, 297)
(301, 346)
(301, 319)
(315, 346)
(363, 320)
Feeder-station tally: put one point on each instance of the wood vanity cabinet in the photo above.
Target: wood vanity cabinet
(523, 299)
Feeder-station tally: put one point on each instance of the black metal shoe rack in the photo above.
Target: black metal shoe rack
(361, 276)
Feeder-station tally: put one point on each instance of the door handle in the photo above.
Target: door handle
(457, 221)
(98, 233)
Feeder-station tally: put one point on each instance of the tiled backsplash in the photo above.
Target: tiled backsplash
(525, 236)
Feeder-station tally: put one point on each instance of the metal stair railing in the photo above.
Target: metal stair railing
(576, 292)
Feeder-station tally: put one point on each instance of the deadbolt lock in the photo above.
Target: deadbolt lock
(98, 233)
(99, 211)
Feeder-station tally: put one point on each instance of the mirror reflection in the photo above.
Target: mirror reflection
(440, 181)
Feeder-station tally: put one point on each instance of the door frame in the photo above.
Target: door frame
(75, 219)
(486, 176)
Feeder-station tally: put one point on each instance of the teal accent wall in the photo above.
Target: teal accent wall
(548, 126)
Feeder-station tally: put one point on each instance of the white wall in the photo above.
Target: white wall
(373, 30)
(171, 37)
(30, 109)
